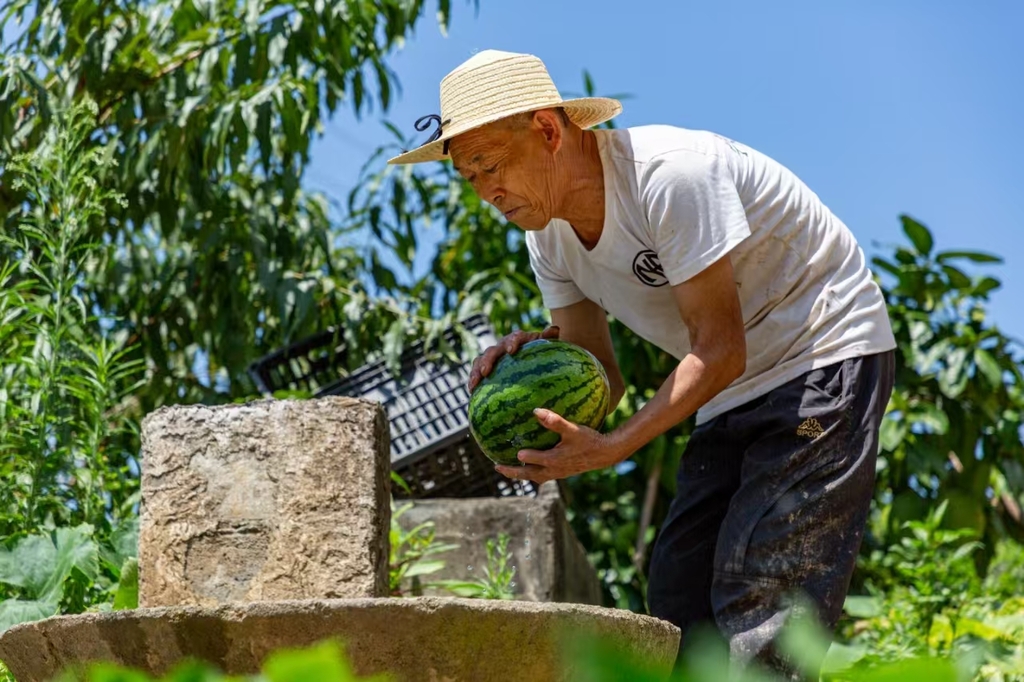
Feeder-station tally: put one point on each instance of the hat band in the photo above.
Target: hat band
(423, 122)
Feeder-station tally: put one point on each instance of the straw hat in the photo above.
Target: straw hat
(492, 85)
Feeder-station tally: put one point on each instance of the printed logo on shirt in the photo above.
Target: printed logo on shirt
(648, 270)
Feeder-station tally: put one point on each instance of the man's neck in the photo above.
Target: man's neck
(583, 189)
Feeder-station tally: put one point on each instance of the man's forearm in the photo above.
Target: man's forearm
(693, 383)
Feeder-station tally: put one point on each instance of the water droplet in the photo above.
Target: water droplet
(469, 568)
(512, 584)
(527, 542)
(527, 556)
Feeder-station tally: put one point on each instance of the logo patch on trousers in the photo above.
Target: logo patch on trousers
(810, 429)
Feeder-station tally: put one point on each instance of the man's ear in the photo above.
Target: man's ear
(549, 124)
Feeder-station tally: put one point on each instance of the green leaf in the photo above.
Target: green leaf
(127, 594)
(953, 379)
(28, 564)
(986, 285)
(885, 265)
(76, 549)
(460, 588)
(861, 606)
(588, 83)
(912, 670)
(940, 636)
(276, 48)
(988, 367)
(14, 611)
(842, 657)
(968, 548)
(974, 256)
(931, 416)
(926, 363)
(357, 91)
(804, 642)
(891, 433)
(424, 568)
(919, 235)
(324, 661)
(186, 671)
(444, 15)
(394, 341)
(906, 257)
(920, 332)
(957, 279)
(40, 565)
(385, 84)
(122, 544)
(969, 626)
(400, 482)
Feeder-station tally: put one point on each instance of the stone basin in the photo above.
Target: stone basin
(430, 639)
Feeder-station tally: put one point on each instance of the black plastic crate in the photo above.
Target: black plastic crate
(307, 365)
(426, 403)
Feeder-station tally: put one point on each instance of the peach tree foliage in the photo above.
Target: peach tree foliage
(954, 427)
(218, 255)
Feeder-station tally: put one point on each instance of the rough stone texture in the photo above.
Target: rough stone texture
(551, 564)
(264, 501)
(424, 639)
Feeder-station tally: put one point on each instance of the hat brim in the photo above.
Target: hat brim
(585, 112)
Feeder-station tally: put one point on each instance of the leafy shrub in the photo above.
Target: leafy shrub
(924, 597)
(498, 579)
(411, 552)
(67, 505)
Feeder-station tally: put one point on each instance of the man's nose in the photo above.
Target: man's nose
(491, 192)
(497, 196)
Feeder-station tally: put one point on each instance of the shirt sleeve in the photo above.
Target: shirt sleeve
(557, 288)
(694, 211)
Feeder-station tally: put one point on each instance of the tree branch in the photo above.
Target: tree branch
(650, 497)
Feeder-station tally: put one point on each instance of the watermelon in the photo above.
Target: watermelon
(556, 375)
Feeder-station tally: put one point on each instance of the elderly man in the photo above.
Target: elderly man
(725, 259)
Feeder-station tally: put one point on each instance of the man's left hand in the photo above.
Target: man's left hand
(581, 449)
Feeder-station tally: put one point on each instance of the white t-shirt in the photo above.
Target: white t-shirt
(678, 200)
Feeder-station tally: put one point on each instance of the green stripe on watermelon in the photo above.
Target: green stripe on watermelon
(536, 365)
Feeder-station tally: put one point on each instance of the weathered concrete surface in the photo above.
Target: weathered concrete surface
(551, 564)
(270, 500)
(418, 640)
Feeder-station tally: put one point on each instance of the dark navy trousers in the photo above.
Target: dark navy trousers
(773, 498)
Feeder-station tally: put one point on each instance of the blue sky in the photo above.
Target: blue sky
(881, 107)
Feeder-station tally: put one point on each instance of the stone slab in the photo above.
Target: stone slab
(270, 500)
(551, 564)
(425, 639)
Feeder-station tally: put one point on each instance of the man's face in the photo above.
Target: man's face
(511, 169)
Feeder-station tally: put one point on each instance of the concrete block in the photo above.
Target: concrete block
(551, 564)
(264, 501)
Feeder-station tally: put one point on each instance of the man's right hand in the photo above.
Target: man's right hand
(486, 361)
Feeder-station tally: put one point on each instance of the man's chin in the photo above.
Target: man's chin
(528, 224)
